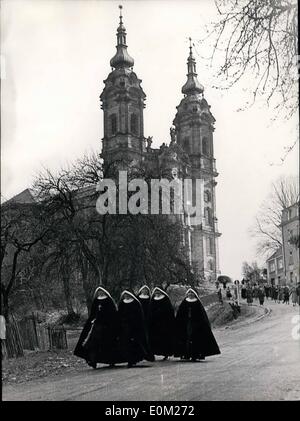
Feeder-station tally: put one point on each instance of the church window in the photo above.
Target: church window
(207, 197)
(208, 216)
(113, 123)
(134, 124)
(205, 148)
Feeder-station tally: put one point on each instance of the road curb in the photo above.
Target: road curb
(267, 312)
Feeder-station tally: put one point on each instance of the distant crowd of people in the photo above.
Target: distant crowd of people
(260, 292)
(279, 294)
(143, 325)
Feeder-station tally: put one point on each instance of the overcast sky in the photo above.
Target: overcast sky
(55, 56)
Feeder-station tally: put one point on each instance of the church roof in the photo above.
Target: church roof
(192, 85)
(25, 197)
(121, 59)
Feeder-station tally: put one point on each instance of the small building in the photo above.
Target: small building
(275, 268)
(290, 241)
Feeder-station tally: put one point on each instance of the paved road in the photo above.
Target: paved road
(259, 361)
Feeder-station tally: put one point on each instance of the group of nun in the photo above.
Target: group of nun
(143, 326)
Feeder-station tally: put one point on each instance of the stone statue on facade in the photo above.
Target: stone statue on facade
(149, 142)
(173, 134)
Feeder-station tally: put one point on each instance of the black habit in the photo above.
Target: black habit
(98, 340)
(194, 338)
(145, 300)
(161, 324)
(133, 341)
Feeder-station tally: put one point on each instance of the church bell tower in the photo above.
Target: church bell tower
(123, 101)
(194, 124)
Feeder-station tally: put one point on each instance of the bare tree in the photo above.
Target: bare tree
(23, 227)
(259, 39)
(117, 251)
(69, 197)
(284, 193)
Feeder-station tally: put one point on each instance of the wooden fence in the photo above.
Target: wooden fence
(12, 346)
(28, 331)
(28, 334)
(57, 337)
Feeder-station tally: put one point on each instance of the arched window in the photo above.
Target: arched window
(207, 216)
(205, 147)
(113, 123)
(207, 197)
(209, 246)
(134, 124)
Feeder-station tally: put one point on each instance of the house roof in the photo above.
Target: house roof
(278, 253)
(293, 205)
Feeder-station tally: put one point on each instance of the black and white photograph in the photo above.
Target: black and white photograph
(150, 203)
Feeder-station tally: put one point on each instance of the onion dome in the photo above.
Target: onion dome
(121, 59)
(192, 85)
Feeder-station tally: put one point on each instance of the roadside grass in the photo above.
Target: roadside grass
(37, 364)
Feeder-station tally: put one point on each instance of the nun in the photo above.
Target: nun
(98, 340)
(144, 295)
(133, 341)
(161, 324)
(194, 338)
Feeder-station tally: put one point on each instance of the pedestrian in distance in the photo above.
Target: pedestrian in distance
(280, 294)
(249, 295)
(261, 295)
(267, 291)
(286, 295)
(236, 290)
(228, 293)
(244, 292)
(272, 289)
(194, 337)
(276, 293)
(98, 340)
(220, 295)
(255, 291)
(294, 296)
(133, 343)
(161, 324)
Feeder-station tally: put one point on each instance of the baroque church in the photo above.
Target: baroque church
(190, 153)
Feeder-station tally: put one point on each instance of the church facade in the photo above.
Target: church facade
(190, 153)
